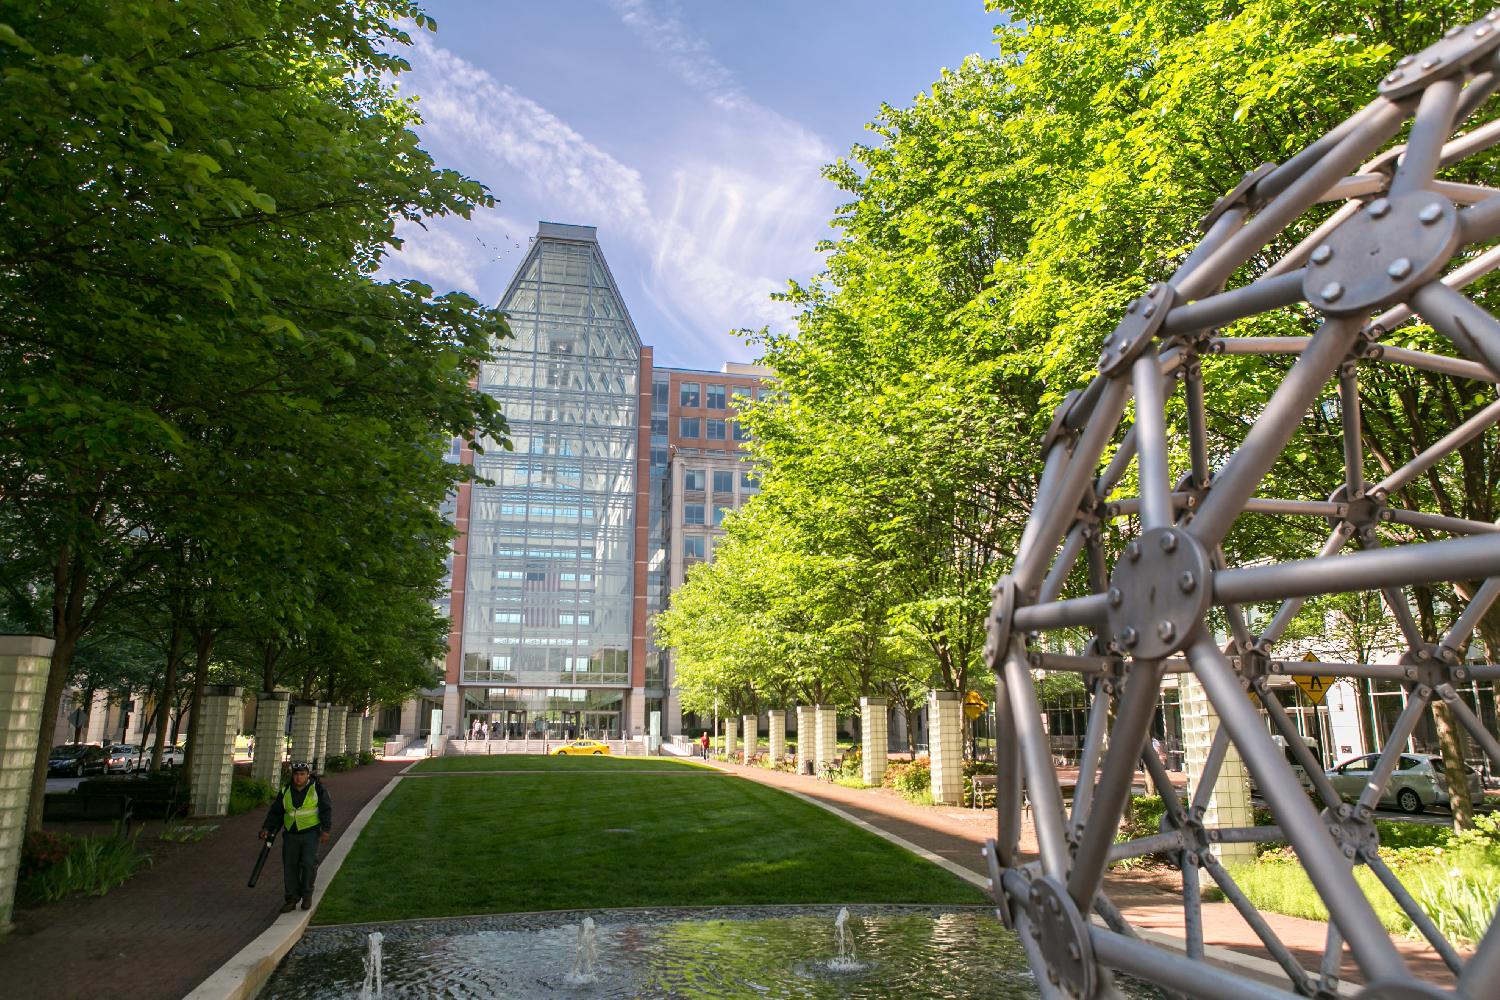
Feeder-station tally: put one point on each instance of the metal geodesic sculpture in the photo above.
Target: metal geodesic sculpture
(1404, 243)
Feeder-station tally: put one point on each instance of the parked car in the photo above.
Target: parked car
(76, 759)
(1416, 783)
(171, 756)
(584, 747)
(123, 759)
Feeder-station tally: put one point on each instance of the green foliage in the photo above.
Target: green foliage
(366, 757)
(246, 794)
(1460, 903)
(340, 762)
(90, 865)
(912, 779)
(187, 833)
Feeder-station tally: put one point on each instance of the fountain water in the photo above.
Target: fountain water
(373, 988)
(586, 955)
(845, 960)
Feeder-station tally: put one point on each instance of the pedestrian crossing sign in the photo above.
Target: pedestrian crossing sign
(974, 705)
(1315, 688)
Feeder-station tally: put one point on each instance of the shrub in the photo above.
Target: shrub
(42, 849)
(1459, 902)
(366, 757)
(93, 865)
(247, 794)
(852, 765)
(912, 779)
(339, 762)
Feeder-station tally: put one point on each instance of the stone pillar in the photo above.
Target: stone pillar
(95, 730)
(873, 741)
(213, 732)
(270, 724)
(729, 737)
(352, 724)
(806, 742)
(776, 735)
(320, 739)
(411, 717)
(367, 731)
(1230, 802)
(945, 742)
(25, 661)
(825, 733)
(338, 717)
(752, 736)
(304, 731)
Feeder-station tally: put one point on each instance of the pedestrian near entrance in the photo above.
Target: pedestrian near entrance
(303, 813)
(703, 742)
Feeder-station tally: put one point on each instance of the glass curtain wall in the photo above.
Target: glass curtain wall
(550, 543)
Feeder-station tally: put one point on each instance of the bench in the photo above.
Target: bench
(982, 783)
(70, 807)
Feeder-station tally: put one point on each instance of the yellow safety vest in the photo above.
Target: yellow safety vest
(306, 817)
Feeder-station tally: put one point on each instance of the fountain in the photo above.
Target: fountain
(585, 956)
(845, 960)
(373, 988)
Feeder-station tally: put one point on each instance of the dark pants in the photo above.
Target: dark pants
(299, 862)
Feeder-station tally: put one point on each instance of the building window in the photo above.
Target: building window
(688, 395)
(723, 481)
(692, 479)
(715, 429)
(507, 617)
(747, 480)
(659, 395)
(742, 391)
(658, 456)
(741, 432)
(687, 427)
(659, 426)
(719, 512)
(574, 618)
(692, 513)
(693, 547)
(509, 574)
(715, 397)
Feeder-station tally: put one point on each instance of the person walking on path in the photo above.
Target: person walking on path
(303, 813)
(703, 742)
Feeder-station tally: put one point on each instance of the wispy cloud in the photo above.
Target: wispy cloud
(713, 223)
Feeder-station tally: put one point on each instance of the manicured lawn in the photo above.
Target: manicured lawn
(525, 762)
(470, 843)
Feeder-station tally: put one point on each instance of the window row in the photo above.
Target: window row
(694, 479)
(712, 429)
(693, 514)
(714, 396)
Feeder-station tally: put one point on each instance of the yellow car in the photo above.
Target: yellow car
(581, 747)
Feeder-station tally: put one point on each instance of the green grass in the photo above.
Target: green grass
(492, 843)
(530, 762)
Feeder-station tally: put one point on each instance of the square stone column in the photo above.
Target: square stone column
(411, 717)
(270, 724)
(945, 743)
(304, 731)
(873, 740)
(729, 737)
(214, 727)
(807, 744)
(320, 735)
(94, 731)
(367, 737)
(25, 661)
(1230, 803)
(776, 735)
(338, 717)
(825, 733)
(752, 736)
(352, 731)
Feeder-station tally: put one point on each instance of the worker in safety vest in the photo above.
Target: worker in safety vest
(303, 813)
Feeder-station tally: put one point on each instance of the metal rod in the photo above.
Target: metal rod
(1075, 613)
(1354, 476)
(1470, 721)
(1007, 777)
(1289, 608)
(1127, 738)
(1463, 194)
(1480, 87)
(1041, 777)
(1250, 300)
(1178, 972)
(1430, 129)
(1110, 477)
(1197, 419)
(1192, 910)
(1151, 445)
(1299, 748)
(1460, 277)
(1071, 661)
(1479, 223)
(1376, 671)
(1260, 449)
(1218, 234)
(1088, 762)
(1437, 363)
(1414, 912)
(1324, 862)
(1472, 558)
(1437, 522)
(1311, 508)
(1208, 778)
(1416, 704)
(1057, 576)
(1258, 345)
(1333, 955)
(1447, 444)
(1354, 186)
(1236, 896)
(1395, 599)
(1156, 843)
(1479, 139)
(1315, 171)
(1465, 623)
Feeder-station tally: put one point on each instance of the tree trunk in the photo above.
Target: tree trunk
(1451, 744)
(168, 693)
(204, 645)
(69, 578)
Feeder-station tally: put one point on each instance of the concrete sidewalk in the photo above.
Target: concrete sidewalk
(1150, 901)
(171, 926)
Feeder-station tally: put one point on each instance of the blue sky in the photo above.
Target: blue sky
(690, 132)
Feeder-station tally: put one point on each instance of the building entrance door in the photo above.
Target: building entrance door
(515, 725)
(601, 725)
(570, 726)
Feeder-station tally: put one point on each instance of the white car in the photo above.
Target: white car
(171, 756)
(1416, 783)
(123, 759)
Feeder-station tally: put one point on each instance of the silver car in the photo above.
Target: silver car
(123, 758)
(1416, 783)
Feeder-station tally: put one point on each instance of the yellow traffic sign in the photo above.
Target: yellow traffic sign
(974, 705)
(1316, 688)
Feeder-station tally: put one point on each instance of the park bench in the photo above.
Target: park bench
(71, 807)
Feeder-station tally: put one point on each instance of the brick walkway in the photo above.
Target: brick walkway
(172, 925)
(1148, 900)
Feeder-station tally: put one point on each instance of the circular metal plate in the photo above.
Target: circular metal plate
(1143, 319)
(1388, 250)
(1063, 936)
(1459, 46)
(1159, 591)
